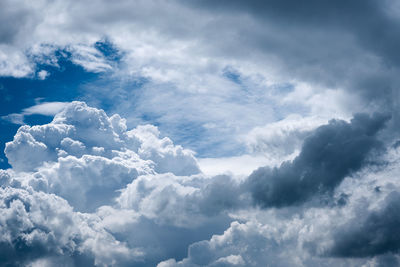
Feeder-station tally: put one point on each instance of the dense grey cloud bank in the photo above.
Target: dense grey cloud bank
(330, 154)
(375, 234)
(100, 194)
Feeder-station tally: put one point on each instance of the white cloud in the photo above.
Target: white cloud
(61, 151)
(36, 225)
(267, 145)
(303, 236)
(54, 160)
(89, 58)
(43, 74)
(239, 166)
(45, 108)
(186, 64)
(280, 139)
(14, 118)
(86, 190)
(182, 201)
(13, 62)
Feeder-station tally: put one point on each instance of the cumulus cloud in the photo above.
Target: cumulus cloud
(93, 154)
(357, 233)
(89, 189)
(37, 226)
(375, 234)
(80, 162)
(79, 129)
(281, 138)
(330, 154)
(85, 190)
(182, 201)
(256, 244)
(42, 75)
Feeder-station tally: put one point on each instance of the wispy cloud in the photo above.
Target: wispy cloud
(45, 108)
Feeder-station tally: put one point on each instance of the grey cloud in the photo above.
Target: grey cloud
(331, 153)
(187, 202)
(36, 227)
(354, 14)
(85, 156)
(27, 236)
(141, 210)
(369, 21)
(10, 27)
(340, 44)
(377, 233)
(77, 176)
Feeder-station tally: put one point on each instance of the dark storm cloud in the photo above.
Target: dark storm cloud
(378, 233)
(331, 153)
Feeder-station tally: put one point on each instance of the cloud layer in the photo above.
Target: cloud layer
(309, 91)
(87, 191)
(317, 60)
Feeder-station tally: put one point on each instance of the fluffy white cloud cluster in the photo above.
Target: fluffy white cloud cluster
(80, 130)
(78, 162)
(187, 201)
(282, 138)
(86, 191)
(85, 156)
(358, 229)
(39, 226)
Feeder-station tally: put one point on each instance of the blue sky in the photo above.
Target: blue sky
(199, 133)
(66, 80)
(64, 84)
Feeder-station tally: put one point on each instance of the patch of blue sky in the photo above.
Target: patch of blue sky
(283, 88)
(64, 82)
(133, 97)
(204, 141)
(109, 50)
(141, 102)
(232, 75)
(151, 118)
(114, 94)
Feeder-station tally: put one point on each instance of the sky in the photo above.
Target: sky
(199, 133)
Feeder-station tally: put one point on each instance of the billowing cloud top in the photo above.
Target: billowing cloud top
(284, 117)
(86, 191)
